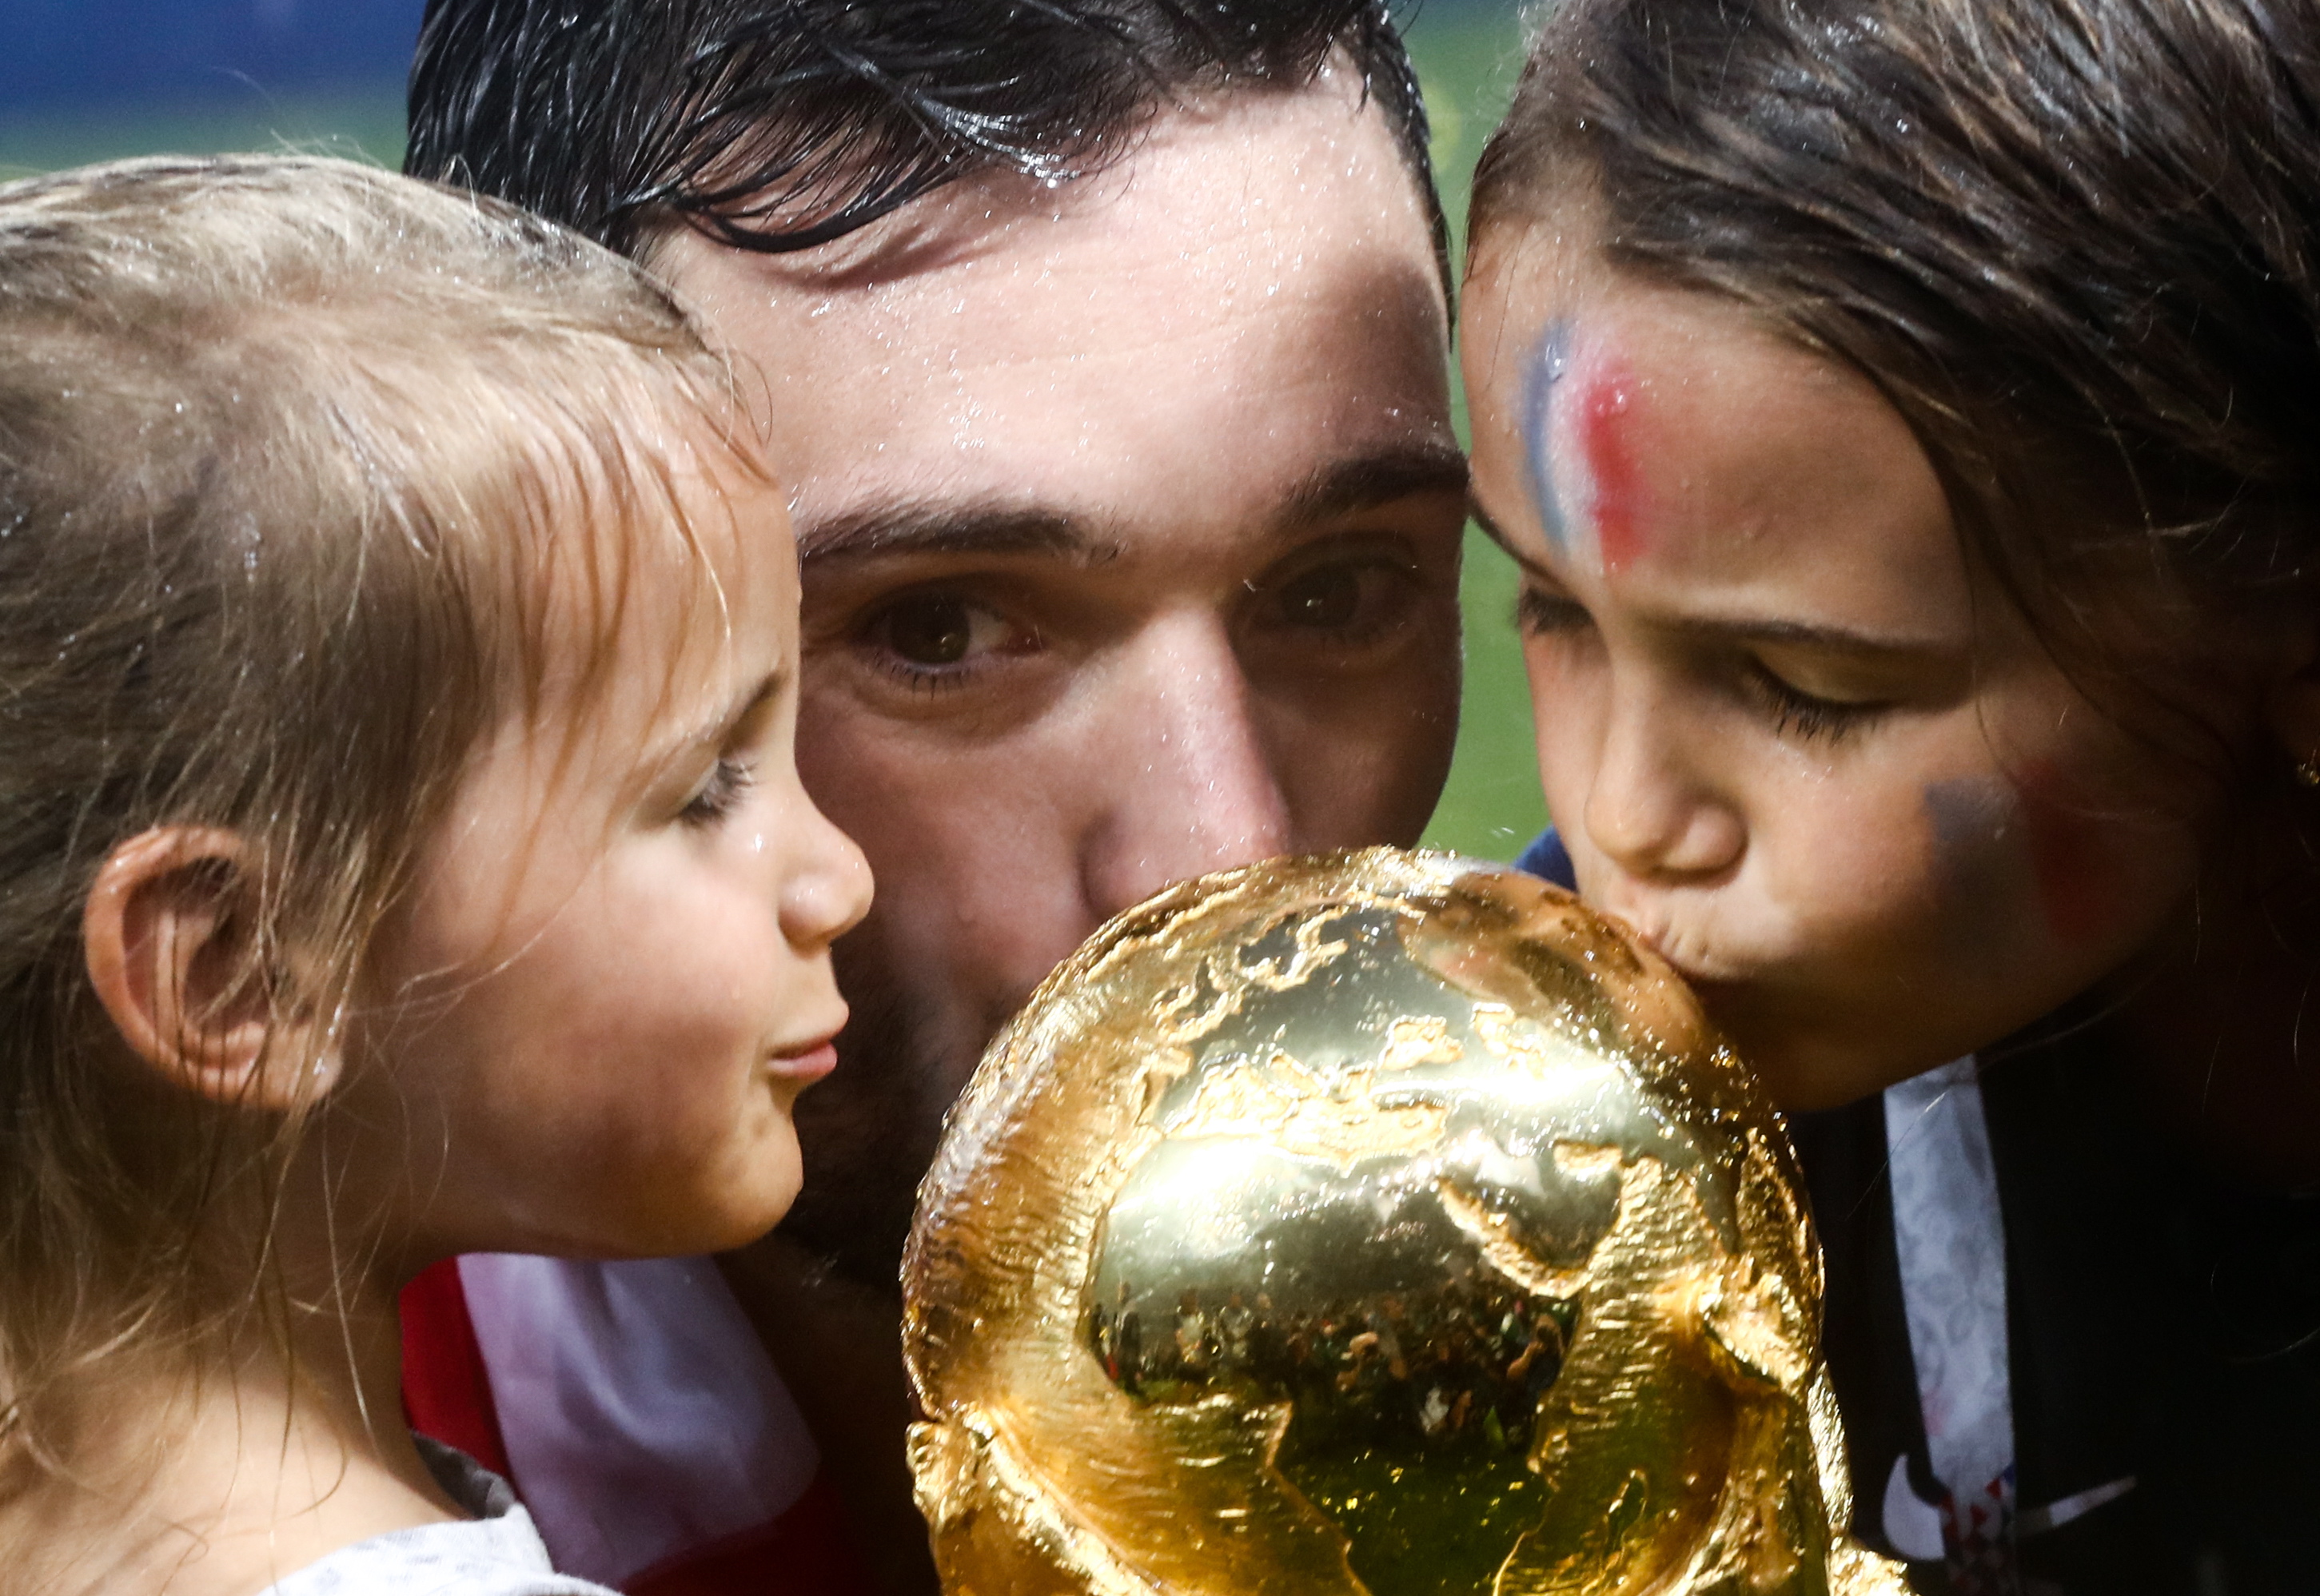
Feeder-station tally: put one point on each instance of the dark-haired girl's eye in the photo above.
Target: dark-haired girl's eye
(1539, 613)
(1800, 714)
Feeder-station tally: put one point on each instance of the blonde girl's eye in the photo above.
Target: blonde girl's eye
(720, 792)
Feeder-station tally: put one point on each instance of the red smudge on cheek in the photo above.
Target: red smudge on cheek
(2068, 860)
(1606, 421)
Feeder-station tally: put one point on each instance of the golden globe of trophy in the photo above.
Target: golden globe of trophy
(1384, 1222)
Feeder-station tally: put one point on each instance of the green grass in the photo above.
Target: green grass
(1466, 58)
(1467, 61)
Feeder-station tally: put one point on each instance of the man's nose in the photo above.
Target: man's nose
(1189, 786)
(1649, 809)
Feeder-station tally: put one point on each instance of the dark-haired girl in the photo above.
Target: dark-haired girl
(1907, 416)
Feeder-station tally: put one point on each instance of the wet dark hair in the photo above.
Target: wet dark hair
(2072, 242)
(776, 125)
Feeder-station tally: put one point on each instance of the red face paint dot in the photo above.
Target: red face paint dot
(1606, 416)
(2066, 854)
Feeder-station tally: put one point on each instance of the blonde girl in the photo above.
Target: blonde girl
(400, 850)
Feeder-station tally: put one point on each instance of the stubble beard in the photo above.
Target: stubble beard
(869, 1133)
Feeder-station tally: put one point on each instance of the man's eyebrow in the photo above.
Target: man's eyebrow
(1362, 481)
(1741, 629)
(911, 527)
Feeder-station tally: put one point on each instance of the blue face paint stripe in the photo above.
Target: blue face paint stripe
(1977, 876)
(1550, 362)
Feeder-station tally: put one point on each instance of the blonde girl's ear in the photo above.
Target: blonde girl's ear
(170, 933)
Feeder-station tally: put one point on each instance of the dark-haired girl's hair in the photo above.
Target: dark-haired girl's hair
(2071, 240)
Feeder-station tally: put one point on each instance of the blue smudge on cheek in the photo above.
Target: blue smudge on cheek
(1977, 876)
(1550, 361)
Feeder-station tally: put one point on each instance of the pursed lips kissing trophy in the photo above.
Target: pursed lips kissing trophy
(1384, 1222)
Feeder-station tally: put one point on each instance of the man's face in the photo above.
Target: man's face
(1130, 515)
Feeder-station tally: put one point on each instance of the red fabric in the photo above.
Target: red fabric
(446, 1394)
(802, 1553)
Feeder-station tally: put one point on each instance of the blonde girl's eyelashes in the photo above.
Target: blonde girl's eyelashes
(720, 792)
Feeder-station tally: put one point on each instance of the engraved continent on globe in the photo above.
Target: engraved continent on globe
(1386, 1223)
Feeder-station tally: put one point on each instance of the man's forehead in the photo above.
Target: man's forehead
(1226, 206)
(1251, 296)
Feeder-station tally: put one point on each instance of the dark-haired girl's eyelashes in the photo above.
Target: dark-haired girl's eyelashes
(720, 792)
(1804, 715)
(1539, 613)
(938, 637)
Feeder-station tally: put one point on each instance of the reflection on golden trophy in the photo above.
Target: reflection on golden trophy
(1384, 1223)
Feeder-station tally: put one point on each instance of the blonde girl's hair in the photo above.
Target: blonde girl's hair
(287, 446)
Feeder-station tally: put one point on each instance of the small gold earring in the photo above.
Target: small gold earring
(2308, 771)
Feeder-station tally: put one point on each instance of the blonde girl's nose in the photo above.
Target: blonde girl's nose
(827, 889)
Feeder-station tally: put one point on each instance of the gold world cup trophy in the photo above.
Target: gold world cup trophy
(1381, 1223)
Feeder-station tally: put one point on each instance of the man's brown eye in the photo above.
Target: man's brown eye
(1331, 597)
(935, 629)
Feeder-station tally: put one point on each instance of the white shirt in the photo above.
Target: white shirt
(496, 1553)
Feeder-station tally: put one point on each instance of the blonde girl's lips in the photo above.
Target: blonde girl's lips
(807, 1064)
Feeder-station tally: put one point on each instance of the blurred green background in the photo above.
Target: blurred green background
(1467, 56)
